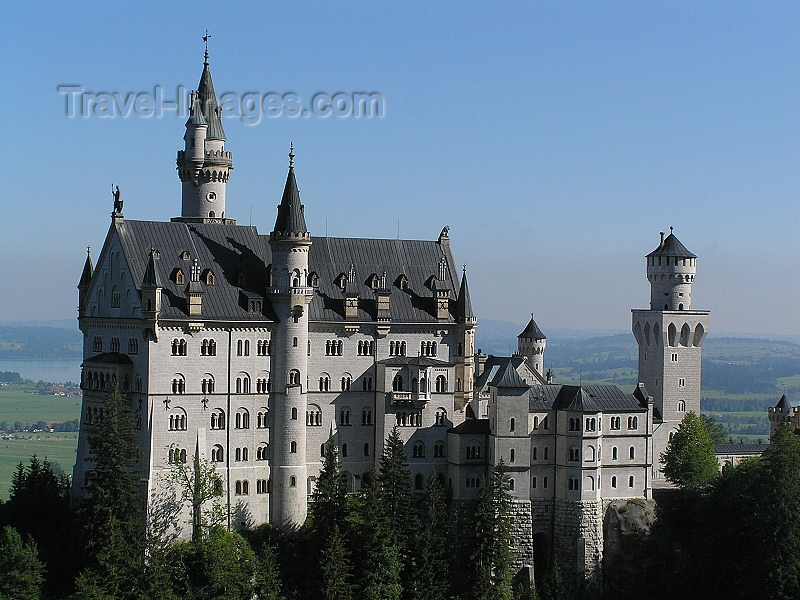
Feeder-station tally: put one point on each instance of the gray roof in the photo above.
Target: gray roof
(740, 448)
(239, 254)
(785, 403)
(152, 276)
(542, 396)
(290, 218)
(596, 398)
(532, 331)
(464, 304)
(208, 102)
(472, 427)
(672, 247)
(109, 358)
(88, 271)
(497, 370)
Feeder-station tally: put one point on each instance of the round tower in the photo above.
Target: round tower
(290, 295)
(670, 271)
(204, 165)
(531, 344)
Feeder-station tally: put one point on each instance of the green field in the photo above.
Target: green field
(57, 447)
(19, 403)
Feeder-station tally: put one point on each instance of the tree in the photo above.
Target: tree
(395, 483)
(689, 460)
(112, 509)
(330, 495)
(431, 576)
(197, 485)
(491, 557)
(715, 430)
(21, 571)
(267, 582)
(336, 568)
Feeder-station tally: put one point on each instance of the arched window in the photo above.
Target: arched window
(631, 481)
(177, 420)
(614, 453)
(178, 384)
(262, 452)
(346, 381)
(511, 455)
(324, 382)
(294, 377)
(238, 488)
(418, 481)
(419, 450)
(242, 419)
(513, 423)
(614, 481)
(243, 383)
(439, 449)
(344, 416)
(217, 419)
(217, 453)
(366, 449)
(632, 452)
(441, 384)
(473, 450)
(294, 413)
(366, 416)
(397, 383)
(293, 447)
(313, 415)
(681, 406)
(511, 484)
(441, 417)
(574, 453)
(344, 450)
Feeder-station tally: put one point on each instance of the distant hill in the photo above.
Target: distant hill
(37, 342)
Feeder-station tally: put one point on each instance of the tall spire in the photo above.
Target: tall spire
(152, 278)
(207, 98)
(463, 304)
(291, 220)
(88, 271)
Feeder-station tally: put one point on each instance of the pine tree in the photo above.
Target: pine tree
(378, 562)
(112, 509)
(330, 495)
(491, 558)
(21, 571)
(430, 580)
(336, 568)
(268, 582)
(395, 483)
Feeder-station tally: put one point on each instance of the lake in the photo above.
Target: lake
(54, 371)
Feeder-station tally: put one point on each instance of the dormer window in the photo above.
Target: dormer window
(178, 277)
(402, 282)
(241, 281)
(313, 279)
(209, 277)
(373, 281)
(340, 281)
(185, 255)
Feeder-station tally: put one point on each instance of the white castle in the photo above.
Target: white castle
(253, 349)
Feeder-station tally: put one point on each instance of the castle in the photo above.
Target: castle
(253, 349)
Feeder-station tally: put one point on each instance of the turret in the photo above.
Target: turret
(465, 345)
(203, 165)
(86, 279)
(194, 291)
(531, 344)
(290, 294)
(670, 271)
(151, 292)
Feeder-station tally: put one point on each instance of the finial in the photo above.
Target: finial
(88, 250)
(531, 316)
(670, 229)
(291, 155)
(205, 39)
(464, 270)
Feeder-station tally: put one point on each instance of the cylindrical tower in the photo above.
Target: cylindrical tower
(670, 271)
(531, 344)
(290, 295)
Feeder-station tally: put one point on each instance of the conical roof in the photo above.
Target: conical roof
(290, 212)
(207, 99)
(672, 246)
(88, 271)
(463, 303)
(196, 117)
(152, 278)
(532, 331)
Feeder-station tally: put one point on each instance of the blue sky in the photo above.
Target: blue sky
(555, 139)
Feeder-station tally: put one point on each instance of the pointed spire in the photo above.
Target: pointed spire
(290, 211)
(196, 117)
(207, 99)
(532, 331)
(88, 270)
(152, 278)
(464, 304)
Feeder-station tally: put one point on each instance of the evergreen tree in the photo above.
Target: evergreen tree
(431, 576)
(491, 558)
(21, 571)
(112, 509)
(336, 568)
(378, 562)
(268, 578)
(197, 484)
(328, 508)
(689, 461)
(395, 482)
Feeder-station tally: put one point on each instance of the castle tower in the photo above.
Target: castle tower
(465, 345)
(85, 282)
(290, 294)
(670, 336)
(531, 344)
(203, 165)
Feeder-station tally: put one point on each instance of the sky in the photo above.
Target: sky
(555, 139)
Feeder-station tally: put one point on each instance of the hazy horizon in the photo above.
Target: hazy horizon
(556, 141)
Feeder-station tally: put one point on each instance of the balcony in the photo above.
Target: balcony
(412, 399)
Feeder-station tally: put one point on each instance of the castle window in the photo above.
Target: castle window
(511, 484)
(533, 482)
(438, 449)
(633, 422)
(365, 348)
(97, 344)
(513, 423)
(294, 413)
(324, 382)
(616, 423)
(441, 383)
(313, 415)
(545, 423)
(574, 424)
(366, 449)
(397, 383)
(366, 416)
(261, 486)
(294, 377)
(242, 419)
(614, 482)
(544, 482)
(115, 298)
(178, 384)
(344, 416)
(346, 381)
(243, 383)
(545, 455)
(344, 450)
(178, 277)
(574, 453)
(418, 450)
(262, 452)
(207, 384)
(441, 417)
(209, 278)
(133, 346)
(208, 348)
(177, 421)
(473, 451)
(114, 344)
(217, 453)
(534, 452)
(591, 424)
(185, 254)
(632, 452)
(262, 419)
(681, 382)
(536, 422)
(674, 357)
(292, 481)
(218, 419)
(294, 342)
(178, 347)
(614, 453)
(574, 484)
(293, 447)
(418, 481)
(366, 384)
(511, 456)
(681, 405)
(631, 481)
